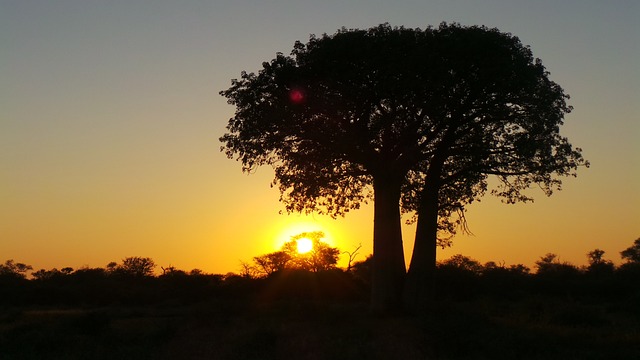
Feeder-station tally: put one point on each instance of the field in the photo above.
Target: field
(300, 318)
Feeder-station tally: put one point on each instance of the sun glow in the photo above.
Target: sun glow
(294, 227)
(304, 245)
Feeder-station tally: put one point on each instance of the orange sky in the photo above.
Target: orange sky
(110, 118)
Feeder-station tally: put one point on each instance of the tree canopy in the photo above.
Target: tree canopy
(404, 116)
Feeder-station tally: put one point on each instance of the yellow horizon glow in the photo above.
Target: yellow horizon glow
(294, 227)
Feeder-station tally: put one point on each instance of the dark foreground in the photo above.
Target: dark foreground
(300, 318)
(476, 330)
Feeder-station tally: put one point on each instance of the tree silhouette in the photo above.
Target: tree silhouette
(352, 256)
(269, 264)
(391, 111)
(632, 253)
(136, 266)
(497, 113)
(463, 263)
(43, 274)
(321, 257)
(597, 263)
(551, 265)
(16, 270)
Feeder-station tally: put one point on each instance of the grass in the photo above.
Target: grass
(532, 328)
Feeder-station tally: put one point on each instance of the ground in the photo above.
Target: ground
(482, 328)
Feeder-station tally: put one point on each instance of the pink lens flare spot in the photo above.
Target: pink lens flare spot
(296, 96)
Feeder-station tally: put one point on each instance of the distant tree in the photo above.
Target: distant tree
(519, 269)
(547, 261)
(320, 257)
(12, 269)
(248, 270)
(43, 274)
(168, 270)
(493, 265)
(269, 264)
(597, 263)
(491, 268)
(463, 263)
(112, 267)
(378, 112)
(595, 256)
(136, 266)
(551, 265)
(632, 253)
(90, 274)
(196, 272)
(352, 256)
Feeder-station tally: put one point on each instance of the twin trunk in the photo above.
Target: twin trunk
(391, 285)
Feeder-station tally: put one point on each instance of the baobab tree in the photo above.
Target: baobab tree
(395, 113)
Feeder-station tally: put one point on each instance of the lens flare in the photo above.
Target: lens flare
(296, 96)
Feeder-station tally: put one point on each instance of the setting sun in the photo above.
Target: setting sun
(304, 245)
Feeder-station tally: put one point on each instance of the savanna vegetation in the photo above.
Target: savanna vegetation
(134, 309)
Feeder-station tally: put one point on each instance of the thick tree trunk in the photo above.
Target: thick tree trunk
(420, 283)
(388, 256)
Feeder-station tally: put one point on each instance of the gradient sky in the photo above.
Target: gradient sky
(110, 118)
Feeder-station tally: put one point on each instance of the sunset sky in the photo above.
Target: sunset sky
(110, 118)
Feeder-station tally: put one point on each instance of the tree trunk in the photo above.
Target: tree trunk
(420, 283)
(388, 255)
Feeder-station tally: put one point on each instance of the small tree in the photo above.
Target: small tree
(112, 267)
(550, 264)
(597, 264)
(320, 257)
(137, 266)
(248, 271)
(546, 263)
(464, 263)
(269, 264)
(352, 256)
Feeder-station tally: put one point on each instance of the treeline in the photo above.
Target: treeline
(134, 281)
(131, 282)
